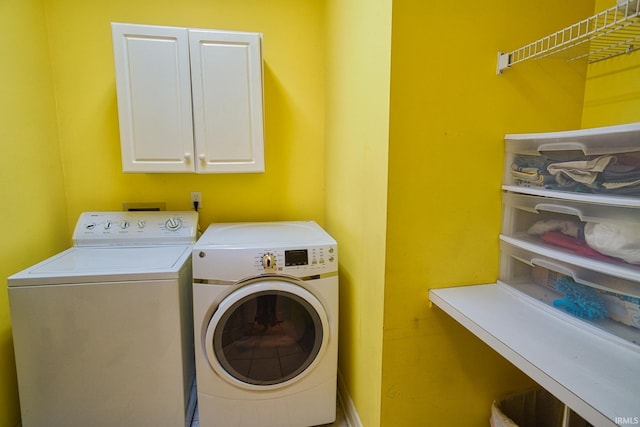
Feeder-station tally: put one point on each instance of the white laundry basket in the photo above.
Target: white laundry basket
(534, 407)
(530, 408)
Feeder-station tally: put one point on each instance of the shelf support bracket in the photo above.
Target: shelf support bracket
(504, 61)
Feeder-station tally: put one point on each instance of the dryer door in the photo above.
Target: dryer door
(267, 334)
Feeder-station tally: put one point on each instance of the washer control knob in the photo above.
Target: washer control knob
(125, 225)
(107, 225)
(141, 223)
(173, 224)
(269, 261)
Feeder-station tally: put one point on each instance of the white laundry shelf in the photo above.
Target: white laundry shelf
(598, 379)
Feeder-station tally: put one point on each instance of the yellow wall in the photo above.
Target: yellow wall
(31, 178)
(357, 128)
(449, 113)
(82, 55)
(612, 90)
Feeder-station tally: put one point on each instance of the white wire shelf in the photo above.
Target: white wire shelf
(612, 32)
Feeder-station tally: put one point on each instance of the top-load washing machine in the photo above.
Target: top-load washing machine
(103, 332)
(266, 324)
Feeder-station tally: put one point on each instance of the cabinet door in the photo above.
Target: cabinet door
(226, 71)
(154, 98)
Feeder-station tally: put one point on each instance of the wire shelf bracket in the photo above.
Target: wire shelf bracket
(612, 32)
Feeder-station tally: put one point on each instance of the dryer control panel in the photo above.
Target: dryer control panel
(136, 228)
(233, 265)
(230, 252)
(296, 259)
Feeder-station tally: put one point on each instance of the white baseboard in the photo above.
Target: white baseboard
(349, 409)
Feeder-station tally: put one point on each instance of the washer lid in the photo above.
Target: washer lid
(105, 264)
(265, 234)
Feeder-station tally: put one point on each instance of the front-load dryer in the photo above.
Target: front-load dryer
(266, 324)
(103, 331)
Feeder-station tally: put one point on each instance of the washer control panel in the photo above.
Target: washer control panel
(133, 228)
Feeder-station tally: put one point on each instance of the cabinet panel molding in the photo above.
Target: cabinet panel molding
(227, 100)
(154, 98)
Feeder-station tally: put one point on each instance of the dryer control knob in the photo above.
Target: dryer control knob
(269, 261)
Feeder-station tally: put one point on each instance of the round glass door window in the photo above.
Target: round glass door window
(268, 337)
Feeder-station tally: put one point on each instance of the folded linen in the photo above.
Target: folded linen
(620, 240)
(580, 171)
(566, 227)
(575, 244)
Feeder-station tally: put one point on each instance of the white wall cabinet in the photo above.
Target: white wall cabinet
(189, 100)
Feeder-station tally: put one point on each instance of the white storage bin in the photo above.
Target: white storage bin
(606, 303)
(601, 161)
(600, 231)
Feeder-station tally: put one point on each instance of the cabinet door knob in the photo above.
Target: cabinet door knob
(202, 157)
(187, 155)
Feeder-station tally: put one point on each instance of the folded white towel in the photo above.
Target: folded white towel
(614, 239)
(583, 171)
